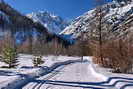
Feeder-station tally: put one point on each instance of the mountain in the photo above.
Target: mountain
(54, 24)
(22, 27)
(118, 16)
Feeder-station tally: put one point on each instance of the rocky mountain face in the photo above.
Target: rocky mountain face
(54, 24)
(116, 22)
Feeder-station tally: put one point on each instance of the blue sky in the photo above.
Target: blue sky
(67, 9)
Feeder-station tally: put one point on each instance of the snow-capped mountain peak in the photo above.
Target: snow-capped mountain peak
(53, 23)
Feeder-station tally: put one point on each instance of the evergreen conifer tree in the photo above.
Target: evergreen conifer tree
(37, 61)
(10, 56)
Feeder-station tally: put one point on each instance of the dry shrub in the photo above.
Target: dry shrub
(81, 48)
(116, 54)
(119, 56)
(96, 53)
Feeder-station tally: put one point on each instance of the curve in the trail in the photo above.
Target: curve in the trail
(76, 73)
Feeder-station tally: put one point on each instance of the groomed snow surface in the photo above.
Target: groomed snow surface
(62, 72)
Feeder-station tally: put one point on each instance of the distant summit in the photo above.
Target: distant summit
(53, 23)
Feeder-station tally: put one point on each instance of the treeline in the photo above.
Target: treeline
(52, 48)
(36, 46)
(116, 54)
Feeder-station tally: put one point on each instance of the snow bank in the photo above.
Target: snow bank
(94, 70)
(96, 73)
(119, 81)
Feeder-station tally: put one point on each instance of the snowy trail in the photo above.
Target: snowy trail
(71, 73)
(67, 77)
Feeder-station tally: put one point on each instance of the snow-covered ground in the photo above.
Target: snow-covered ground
(62, 72)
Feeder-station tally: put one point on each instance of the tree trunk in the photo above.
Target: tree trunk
(100, 36)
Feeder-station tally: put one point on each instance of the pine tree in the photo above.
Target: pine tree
(37, 61)
(10, 56)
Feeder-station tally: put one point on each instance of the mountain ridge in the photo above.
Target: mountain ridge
(116, 15)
